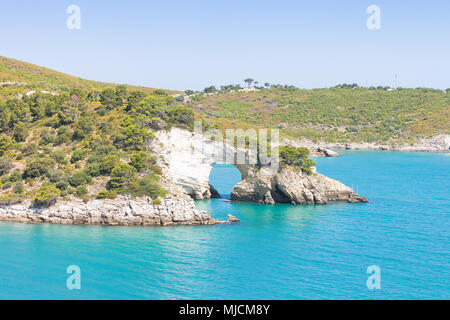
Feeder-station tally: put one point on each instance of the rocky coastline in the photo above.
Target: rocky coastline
(439, 143)
(120, 211)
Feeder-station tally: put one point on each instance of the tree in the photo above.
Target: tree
(46, 196)
(84, 127)
(78, 179)
(109, 99)
(5, 165)
(5, 144)
(108, 163)
(249, 81)
(121, 177)
(141, 160)
(20, 132)
(297, 157)
(38, 165)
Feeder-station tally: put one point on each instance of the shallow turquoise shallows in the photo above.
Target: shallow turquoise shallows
(276, 252)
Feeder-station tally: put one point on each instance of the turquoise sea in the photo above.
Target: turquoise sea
(276, 252)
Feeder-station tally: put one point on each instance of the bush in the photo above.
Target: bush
(15, 176)
(5, 165)
(20, 132)
(78, 155)
(149, 186)
(38, 165)
(55, 175)
(108, 163)
(121, 177)
(5, 144)
(59, 156)
(80, 191)
(46, 137)
(78, 179)
(84, 127)
(64, 135)
(106, 194)
(46, 196)
(141, 160)
(62, 185)
(28, 149)
(18, 188)
(297, 157)
(93, 169)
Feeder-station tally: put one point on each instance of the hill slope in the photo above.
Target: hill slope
(16, 75)
(61, 136)
(340, 114)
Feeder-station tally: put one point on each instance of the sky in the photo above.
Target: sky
(193, 44)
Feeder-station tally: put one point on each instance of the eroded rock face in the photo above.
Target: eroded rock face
(293, 186)
(120, 211)
(187, 159)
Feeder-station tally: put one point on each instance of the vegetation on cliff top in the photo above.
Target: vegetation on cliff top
(82, 141)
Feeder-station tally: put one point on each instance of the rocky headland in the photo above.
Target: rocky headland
(187, 160)
(290, 185)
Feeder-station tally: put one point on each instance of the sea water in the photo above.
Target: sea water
(276, 251)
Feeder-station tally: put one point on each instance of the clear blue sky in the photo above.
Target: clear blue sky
(193, 44)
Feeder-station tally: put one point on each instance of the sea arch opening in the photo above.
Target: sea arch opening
(222, 178)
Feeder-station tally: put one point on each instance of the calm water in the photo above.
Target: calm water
(276, 252)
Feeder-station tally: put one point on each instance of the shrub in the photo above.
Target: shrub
(297, 157)
(64, 135)
(78, 179)
(18, 187)
(84, 127)
(59, 156)
(78, 155)
(46, 137)
(38, 165)
(15, 176)
(80, 191)
(141, 160)
(62, 185)
(121, 177)
(108, 163)
(5, 165)
(55, 175)
(107, 194)
(5, 144)
(46, 196)
(93, 169)
(20, 132)
(28, 149)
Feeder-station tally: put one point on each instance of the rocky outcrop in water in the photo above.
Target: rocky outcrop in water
(290, 185)
(121, 211)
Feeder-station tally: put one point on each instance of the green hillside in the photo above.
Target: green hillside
(62, 136)
(346, 113)
(15, 76)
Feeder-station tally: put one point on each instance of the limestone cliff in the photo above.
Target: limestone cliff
(187, 159)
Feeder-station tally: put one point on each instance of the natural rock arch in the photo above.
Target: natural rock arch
(187, 159)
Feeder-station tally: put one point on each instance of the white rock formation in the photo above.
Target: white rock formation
(187, 159)
(121, 211)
